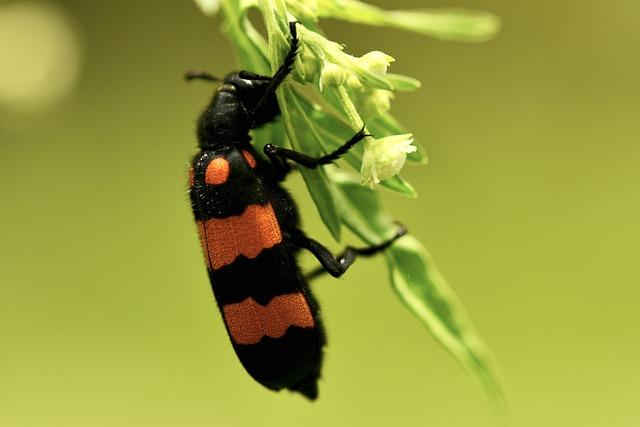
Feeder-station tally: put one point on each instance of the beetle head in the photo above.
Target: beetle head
(250, 89)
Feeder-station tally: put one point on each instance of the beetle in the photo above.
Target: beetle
(250, 234)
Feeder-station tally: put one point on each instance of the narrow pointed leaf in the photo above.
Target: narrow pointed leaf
(303, 138)
(403, 83)
(464, 25)
(398, 185)
(418, 283)
(428, 296)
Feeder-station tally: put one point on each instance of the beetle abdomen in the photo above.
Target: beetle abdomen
(270, 316)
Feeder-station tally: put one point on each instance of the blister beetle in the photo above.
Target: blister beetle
(249, 231)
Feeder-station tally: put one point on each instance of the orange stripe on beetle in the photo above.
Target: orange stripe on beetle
(203, 242)
(249, 158)
(248, 234)
(249, 321)
(217, 171)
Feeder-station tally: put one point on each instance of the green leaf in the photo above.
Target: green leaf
(398, 185)
(308, 142)
(275, 19)
(428, 296)
(464, 25)
(332, 133)
(361, 209)
(322, 195)
(303, 10)
(403, 83)
(248, 53)
(418, 283)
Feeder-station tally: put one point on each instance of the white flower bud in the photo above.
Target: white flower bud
(383, 158)
(374, 102)
(208, 7)
(332, 75)
(376, 62)
(353, 82)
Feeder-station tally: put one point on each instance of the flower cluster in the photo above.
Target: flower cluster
(360, 88)
(362, 83)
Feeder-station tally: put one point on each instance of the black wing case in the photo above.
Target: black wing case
(270, 315)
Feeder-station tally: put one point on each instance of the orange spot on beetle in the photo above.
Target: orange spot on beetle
(249, 158)
(217, 171)
(225, 239)
(249, 321)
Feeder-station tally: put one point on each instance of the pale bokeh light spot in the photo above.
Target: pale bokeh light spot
(40, 55)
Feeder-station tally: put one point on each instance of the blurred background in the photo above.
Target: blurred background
(530, 207)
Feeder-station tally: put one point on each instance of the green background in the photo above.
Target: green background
(530, 207)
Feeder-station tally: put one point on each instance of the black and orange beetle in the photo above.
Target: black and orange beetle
(250, 235)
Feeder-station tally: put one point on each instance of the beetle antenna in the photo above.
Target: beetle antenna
(200, 75)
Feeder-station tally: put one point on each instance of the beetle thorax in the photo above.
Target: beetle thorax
(225, 121)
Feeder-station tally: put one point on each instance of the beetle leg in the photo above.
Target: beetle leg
(337, 265)
(334, 265)
(363, 252)
(285, 68)
(279, 155)
(280, 168)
